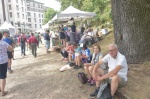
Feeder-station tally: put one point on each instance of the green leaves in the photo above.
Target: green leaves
(49, 14)
(101, 7)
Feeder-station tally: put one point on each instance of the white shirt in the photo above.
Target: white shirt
(90, 34)
(3, 52)
(119, 60)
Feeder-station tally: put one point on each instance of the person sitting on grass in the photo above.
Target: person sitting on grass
(65, 51)
(74, 55)
(97, 56)
(84, 56)
(117, 70)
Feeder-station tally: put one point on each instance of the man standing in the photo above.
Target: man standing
(117, 70)
(82, 31)
(22, 40)
(37, 36)
(27, 37)
(47, 40)
(73, 33)
(10, 56)
(33, 44)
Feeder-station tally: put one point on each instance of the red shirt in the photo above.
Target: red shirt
(32, 39)
(22, 37)
(70, 48)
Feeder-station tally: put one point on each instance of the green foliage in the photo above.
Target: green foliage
(101, 7)
(49, 14)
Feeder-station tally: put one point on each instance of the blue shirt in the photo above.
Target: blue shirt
(65, 29)
(86, 52)
(46, 37)
(8, 40)
(78, 49)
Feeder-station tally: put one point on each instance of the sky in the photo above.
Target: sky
(51, 3)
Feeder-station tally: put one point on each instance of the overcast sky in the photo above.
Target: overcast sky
(51, 3)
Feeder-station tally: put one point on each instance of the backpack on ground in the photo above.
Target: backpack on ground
(82, 77)
(104, 91)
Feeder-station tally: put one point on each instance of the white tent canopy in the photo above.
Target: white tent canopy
(72, 12)
(41, 31)
(8, 26)
(46, 26)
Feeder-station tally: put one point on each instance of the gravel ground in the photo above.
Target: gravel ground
(39, 78)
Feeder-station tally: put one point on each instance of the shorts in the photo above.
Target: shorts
(73, 56)
(62, 35)
(84, 60)
(77, 54)
(122, 83)
(10, 56)
(3, 70)
(47, 44)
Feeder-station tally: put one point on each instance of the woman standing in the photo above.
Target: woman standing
(62, 36)
(3, 64)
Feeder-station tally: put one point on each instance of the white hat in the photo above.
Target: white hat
(81, 45)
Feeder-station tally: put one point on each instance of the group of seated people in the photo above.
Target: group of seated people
(89, 37)
(95, 67)
(70, 33)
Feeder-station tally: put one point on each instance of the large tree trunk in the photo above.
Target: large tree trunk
(132, 28)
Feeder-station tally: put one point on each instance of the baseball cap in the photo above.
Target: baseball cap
(81, 45)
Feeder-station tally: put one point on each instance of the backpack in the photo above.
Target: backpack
(82, 77)
(104, 92)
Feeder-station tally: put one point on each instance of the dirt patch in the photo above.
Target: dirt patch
(39, 78)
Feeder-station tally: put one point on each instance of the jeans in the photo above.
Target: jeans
(33, 48)
(23, 48)
(72, 37)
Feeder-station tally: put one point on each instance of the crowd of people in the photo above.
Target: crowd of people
(7, 45)
(72, 34)
(95, 66)
(74, 51)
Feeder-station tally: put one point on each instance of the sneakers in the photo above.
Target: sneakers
(92, 82)
(77, 67)
(71, 64)
(89, 80)
(10, 70)
(94, 94)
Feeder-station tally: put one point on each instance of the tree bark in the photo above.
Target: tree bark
(131, 20)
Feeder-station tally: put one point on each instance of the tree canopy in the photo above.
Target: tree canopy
(101, 7)
(49, 14)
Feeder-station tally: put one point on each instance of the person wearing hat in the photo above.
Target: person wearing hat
(84, 56)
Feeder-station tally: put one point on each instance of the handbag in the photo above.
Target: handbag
(104, 91)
